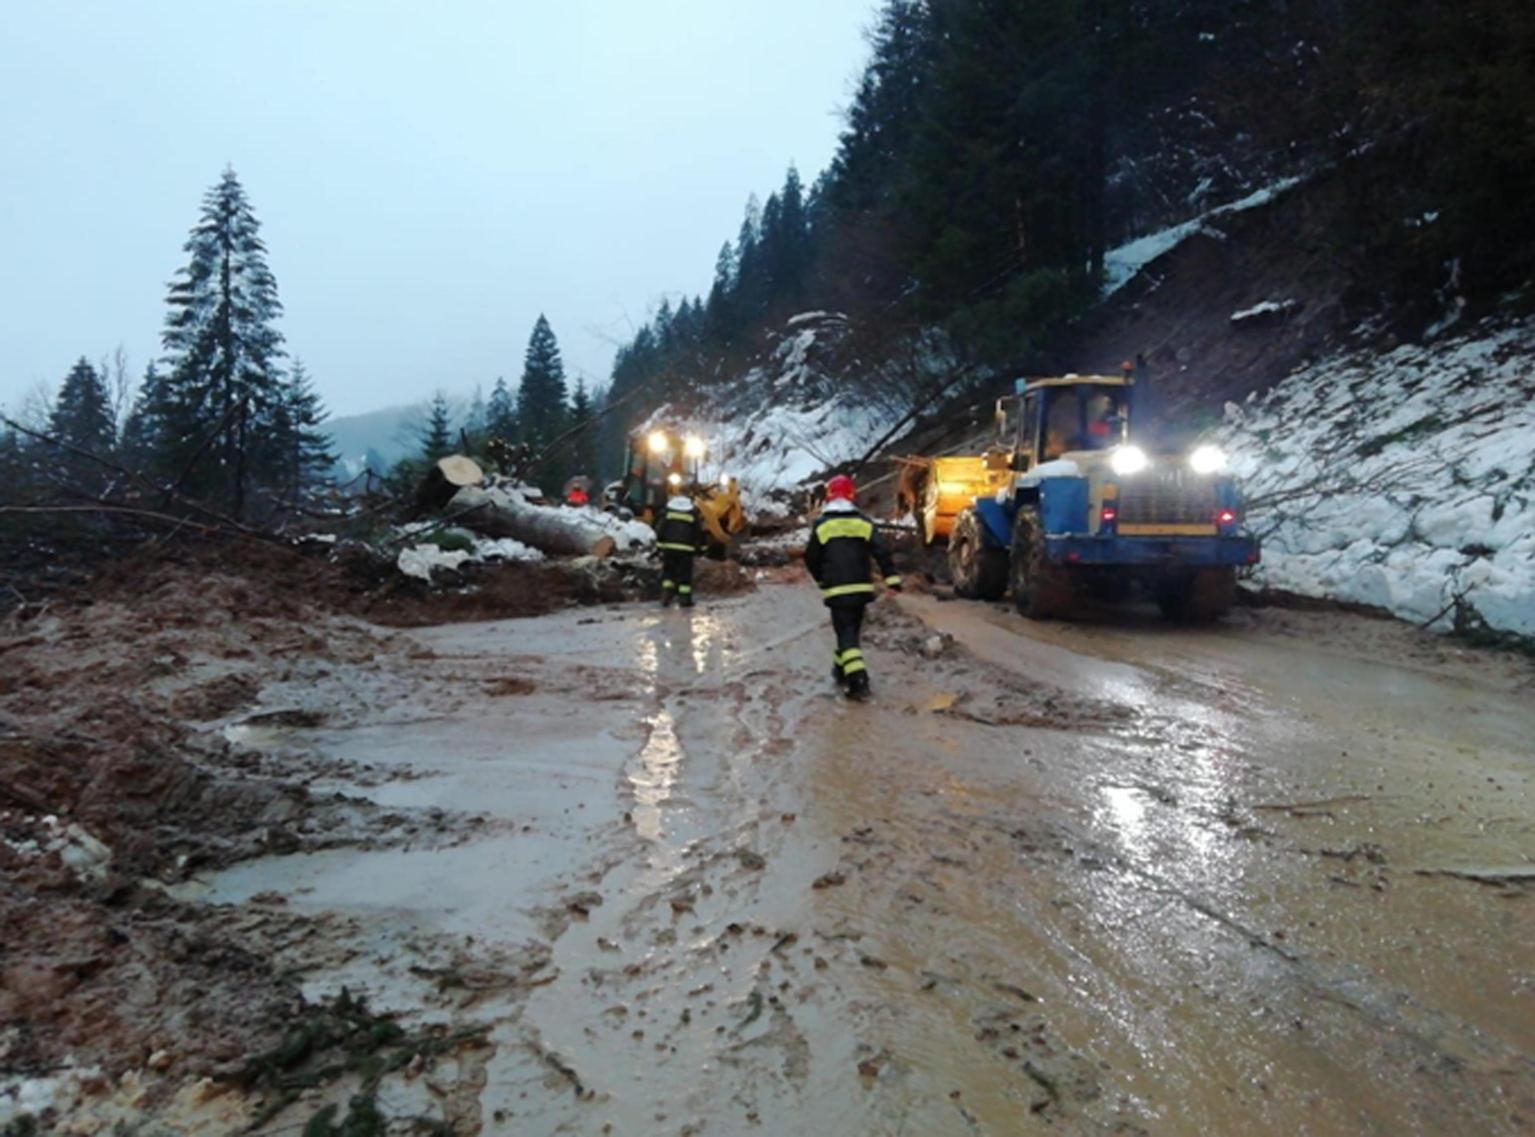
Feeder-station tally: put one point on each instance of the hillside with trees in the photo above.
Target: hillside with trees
(994, 154)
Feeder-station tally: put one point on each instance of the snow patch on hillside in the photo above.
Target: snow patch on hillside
(1404, 481)
(1121, 264)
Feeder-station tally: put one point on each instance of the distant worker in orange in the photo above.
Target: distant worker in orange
(842, 542)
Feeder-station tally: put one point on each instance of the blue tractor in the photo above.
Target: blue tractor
(1078, 509)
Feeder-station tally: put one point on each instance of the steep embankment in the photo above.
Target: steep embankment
(1403, 480)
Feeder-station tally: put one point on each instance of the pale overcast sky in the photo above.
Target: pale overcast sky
(429, 176)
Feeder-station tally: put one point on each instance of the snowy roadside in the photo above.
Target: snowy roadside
(1405, 481)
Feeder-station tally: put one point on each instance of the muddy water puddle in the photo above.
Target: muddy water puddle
(754, 908)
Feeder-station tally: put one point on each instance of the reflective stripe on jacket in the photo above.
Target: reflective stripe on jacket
(838, 553)
(680, 530)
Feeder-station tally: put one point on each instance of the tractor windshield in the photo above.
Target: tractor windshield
(1084, 417)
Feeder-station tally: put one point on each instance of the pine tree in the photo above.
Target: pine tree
(584, 444)
(437, 434)
(224, 386)
(294, 449)
(501, 413)
(82, 415)
(541, 401)
(474, 419)
(141, 430)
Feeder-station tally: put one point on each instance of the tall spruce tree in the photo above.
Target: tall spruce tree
(437, 433)
(583, 446)
(541, 399)
(82, 414)
(501, 413)
(224, 386)
(140, 436)
(295, 451)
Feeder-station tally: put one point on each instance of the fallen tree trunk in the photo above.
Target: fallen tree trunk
(562, 533)
(444, 479)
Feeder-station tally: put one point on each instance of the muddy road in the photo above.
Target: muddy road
(1103, 877)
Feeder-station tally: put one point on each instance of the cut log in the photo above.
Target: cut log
(562, 533)
(443, 479)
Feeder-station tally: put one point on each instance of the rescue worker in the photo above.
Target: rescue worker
(680, 537)
(842, 542)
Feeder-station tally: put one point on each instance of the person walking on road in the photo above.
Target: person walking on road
(842, 542)
(680, 537)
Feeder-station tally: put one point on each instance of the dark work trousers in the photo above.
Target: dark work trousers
(676, 575)
(847, 623)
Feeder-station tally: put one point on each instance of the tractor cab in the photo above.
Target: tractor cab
(1049, 419)
(661, 463)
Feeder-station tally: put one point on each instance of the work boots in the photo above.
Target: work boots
(685, 601)
(667, 596)
(858, 685)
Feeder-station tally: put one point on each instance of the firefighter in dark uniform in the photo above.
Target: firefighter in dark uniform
(680, 537)
(841, 544)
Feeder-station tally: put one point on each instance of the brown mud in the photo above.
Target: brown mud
(654, 876)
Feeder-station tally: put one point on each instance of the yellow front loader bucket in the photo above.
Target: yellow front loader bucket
(724, 519)
(939, 488)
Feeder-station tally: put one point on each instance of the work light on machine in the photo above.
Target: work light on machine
(658, 442)
(1207, 460)
(674, 480)
(693, 447)
(725, 482)
(1129, 460)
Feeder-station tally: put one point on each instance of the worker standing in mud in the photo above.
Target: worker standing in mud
(680, 537)
(842, 542)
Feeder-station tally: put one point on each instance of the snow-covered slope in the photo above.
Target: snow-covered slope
(795, 417)
(1404, 480)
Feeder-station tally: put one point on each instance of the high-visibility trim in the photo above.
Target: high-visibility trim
(1149, 529)
(893, 582)
(846, 590)
(850, 654)
(672, 547)
(686, 518)
(831, 528)
(685, 589)
(667, 585)
(854, 667)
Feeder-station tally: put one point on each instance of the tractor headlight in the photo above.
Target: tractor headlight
(674, 480)
(1129, 460)
(693, 447)
(658, 442)
(725, 482)
(1207, 460)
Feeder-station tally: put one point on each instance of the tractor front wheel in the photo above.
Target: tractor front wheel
(979, 571)
(1042, 590)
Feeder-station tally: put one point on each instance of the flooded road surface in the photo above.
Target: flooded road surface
(1105, 877)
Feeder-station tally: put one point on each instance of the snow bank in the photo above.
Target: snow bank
(811, 422)
(1121, 264)
(1404, 480)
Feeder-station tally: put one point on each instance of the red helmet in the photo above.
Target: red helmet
(840, 487)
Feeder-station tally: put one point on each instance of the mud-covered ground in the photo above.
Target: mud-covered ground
(619, 870)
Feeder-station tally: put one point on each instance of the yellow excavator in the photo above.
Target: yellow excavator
(661, 462)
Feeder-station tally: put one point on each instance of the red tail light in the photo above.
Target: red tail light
(1110, 514)
(1226, 517)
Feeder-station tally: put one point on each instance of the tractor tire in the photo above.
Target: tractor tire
(1202, 598)
(1041, 590)
(979, 571)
